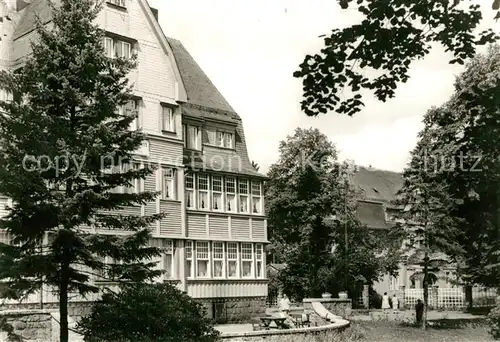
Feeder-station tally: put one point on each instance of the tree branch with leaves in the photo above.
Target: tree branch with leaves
(376, 54)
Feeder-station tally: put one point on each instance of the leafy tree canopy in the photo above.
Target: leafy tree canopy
(376, 53)
(463, 135)
(307, 188)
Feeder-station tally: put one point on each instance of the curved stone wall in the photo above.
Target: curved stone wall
(336, 323)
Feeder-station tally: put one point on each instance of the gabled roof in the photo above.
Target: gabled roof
(205, 102)
(377, 190)
(377, 185)
(200, 90)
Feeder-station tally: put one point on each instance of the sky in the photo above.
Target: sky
(250, 49)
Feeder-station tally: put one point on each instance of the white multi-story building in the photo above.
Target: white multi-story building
(215, 230)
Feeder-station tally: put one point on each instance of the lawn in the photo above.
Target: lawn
(442, 331)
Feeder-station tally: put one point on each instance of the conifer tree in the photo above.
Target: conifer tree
(430, 228)
(58, 133)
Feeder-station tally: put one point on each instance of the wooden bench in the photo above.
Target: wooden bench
(279, 321)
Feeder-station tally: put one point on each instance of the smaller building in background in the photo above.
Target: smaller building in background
(376, 209)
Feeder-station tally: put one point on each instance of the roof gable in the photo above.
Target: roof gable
(377, 185)
(41, 9)
(200, 89)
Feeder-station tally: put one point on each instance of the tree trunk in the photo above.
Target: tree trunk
(63, 304)
(426, 291)
(498, 236)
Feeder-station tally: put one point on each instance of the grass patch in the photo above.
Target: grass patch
(440, 331)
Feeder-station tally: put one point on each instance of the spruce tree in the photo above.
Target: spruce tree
(64, 149)
(427, 221)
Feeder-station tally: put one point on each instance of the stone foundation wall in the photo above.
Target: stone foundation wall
(340, 307)
(234, 310)
(29, 325)
(76, 310)
(337, 306)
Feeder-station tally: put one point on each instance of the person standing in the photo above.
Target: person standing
(419, 310)
(385, 302)
(285, 306)
(395, 302)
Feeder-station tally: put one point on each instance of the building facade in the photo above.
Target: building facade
(377, 192)
(215, 231)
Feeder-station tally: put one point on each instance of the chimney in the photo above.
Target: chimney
(155, 12)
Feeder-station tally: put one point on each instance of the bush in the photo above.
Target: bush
(375, 300)
(147, 313)
(483, 301)
(494, 322)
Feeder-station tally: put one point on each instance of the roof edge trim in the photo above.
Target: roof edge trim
(180, 93)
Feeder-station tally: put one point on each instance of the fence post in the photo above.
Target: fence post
(435, 297)
(468, 296)
(366, 296)
(401, 296)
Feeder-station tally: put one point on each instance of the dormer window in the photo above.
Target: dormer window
(119, 3)
(115, 48)
(192, 137)
(225, 139)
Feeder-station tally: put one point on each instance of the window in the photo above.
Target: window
(256, 198)
(143, 150)
(259, 265)
(217, 193)
(230, 194)
(225, 139)
(220, 139)
(218, 259)
(228, 140)
(190, 203)
(5, 96)
(130, 108)
(135, 186)
(109, 273)
(232, 259)
(168, 119)
(202, 191)
(4, 236)
(101, 274)
(117, 48)
(123, 49)
(192, 134)
(168, 183)
(189, 259)
(120, 3)
(168, 258)
(202, 259)
(243, 195)
(108, 47)
(246, 260)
